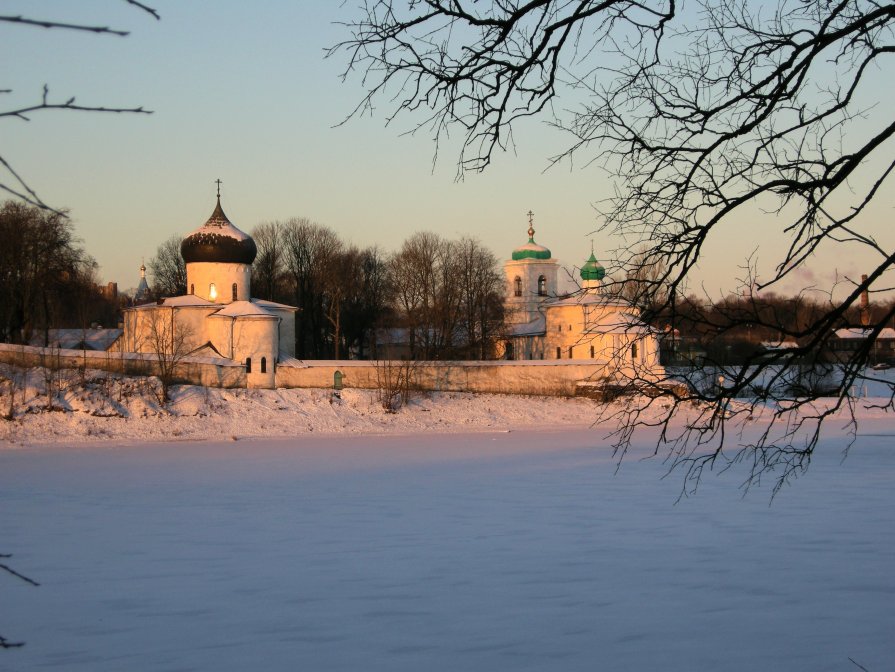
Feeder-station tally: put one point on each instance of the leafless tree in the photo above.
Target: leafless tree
(46, 279)
(729, 109)
(167, 270)
(268, 269)
(168, 340)
(11, 181)
(481, 288)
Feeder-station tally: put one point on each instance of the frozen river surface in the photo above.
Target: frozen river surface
(463, 552)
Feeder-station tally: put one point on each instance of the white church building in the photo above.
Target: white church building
(218, 317)
(544, 323)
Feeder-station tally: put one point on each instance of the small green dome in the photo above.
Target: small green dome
(592, 269)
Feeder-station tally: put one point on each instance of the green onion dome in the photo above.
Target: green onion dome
(531, 250)
(592, 270)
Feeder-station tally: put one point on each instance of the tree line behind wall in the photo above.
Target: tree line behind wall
(47, 280)
(432, 299)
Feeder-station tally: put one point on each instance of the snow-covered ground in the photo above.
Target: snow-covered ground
(462, 533)
(108, 408)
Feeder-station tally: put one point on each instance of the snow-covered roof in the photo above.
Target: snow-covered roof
(590, 298)
(779, 345)
(536, 327)
(185, 301)
(618, 323)
(273, 304)
(244, 309)
(864, 332)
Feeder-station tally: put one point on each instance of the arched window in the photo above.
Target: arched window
(248, 364)
(508, 349)
(570, 352)
(634, 351)
(558, 352)
(212, 292)
(591, 352)
(192, 289)
(263, 359)
(234, 291)
(542, 286)
(517, 286)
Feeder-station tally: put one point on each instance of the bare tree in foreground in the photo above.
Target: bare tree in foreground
(10, 180)
(733, 110)
(5, 643)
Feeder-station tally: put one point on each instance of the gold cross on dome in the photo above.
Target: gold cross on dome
(218, 182)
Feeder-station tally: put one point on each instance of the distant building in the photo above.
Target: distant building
(142, 295)
(847, 341)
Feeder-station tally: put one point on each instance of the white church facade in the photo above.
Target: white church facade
(218, 316)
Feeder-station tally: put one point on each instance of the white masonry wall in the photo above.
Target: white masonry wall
(200, 276)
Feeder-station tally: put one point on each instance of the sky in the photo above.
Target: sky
(242, 93)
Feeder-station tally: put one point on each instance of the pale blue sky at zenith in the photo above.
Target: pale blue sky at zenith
(241, 91)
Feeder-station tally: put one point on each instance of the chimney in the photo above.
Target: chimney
(865, 304)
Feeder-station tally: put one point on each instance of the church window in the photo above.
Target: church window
(248, 364)
(570, 352)
(234, 291)
(192, 289)
(570, 327)
(591, 352)
(263, 361)
(634, 351)
(542, 286)
(559, 327)
(508, 347)
(517, 286)
(212, 292)
(558, 352)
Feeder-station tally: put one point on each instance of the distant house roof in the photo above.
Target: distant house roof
(779, 345)
(863, 333)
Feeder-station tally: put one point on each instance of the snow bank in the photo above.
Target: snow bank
(109, 407)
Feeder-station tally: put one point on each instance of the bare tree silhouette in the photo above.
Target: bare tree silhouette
(724, 111)
(13, 183)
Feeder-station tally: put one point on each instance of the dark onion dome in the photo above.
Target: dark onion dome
(218, 241)
(531, 250)
(592, 270)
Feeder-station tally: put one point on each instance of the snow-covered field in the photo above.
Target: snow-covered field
(463, 533)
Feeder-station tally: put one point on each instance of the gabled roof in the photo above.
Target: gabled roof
(244, 309)
(273, 304)
(618, 323)
(184, 301)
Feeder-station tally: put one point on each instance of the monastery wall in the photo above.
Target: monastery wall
(212, 372)
(540, 377)
(551, 378)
